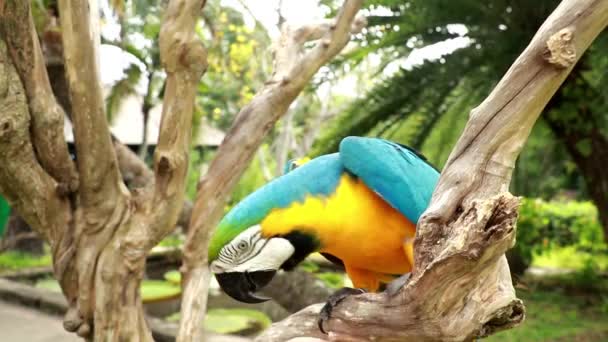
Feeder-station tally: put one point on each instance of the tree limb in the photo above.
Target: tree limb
(185, 60)
(27, 187)
(293, 69)
(47, 116)
(100, 180)
(460, 287)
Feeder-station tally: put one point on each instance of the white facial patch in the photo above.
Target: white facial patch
(250, 252)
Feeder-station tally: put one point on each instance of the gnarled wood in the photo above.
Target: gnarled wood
(28, 188)
(460, 287)
(101, 233)
(293, 68)
(100, 181)
(185, 60)
(46, 114)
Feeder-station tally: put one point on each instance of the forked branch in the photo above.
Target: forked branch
(293, 69)
(185, 60)
(23, 182)
(460, 288)
(17, 25)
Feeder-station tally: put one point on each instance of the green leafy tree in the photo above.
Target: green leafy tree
(426, 105)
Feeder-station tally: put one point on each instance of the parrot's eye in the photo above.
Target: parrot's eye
(242, 245)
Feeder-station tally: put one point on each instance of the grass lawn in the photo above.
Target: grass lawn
(12, 260)
(556, 313)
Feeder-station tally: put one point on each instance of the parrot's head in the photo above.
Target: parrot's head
(248, 262)
(245, 257)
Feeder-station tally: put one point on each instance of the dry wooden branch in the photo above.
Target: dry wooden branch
(23, 182)
(293, 68)
(100, 181)
(185, 60)
(461, 288)
(46, 114)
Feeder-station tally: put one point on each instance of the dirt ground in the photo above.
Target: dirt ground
(21, 324)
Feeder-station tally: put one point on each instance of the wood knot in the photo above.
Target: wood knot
(5, 128)
(560, 49)
(164, 165)
(72, 319)
(62, 189)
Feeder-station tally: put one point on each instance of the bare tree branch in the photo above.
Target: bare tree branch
(460, 288)
(47, 116)
(23, 182)
(135, 172)
(293, 68)
(99, 176)
(185, 60)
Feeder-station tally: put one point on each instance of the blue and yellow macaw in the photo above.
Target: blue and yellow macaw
(358, 207)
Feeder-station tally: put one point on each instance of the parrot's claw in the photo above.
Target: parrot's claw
(394, 286)
(332, 301)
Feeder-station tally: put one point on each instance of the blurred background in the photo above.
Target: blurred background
(411, 76)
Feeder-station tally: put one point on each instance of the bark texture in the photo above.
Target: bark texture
(293, 68)
(460, 288)
(99, 231)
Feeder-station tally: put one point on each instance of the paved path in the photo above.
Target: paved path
(22, 324)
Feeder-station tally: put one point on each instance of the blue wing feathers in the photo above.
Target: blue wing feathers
(399, 175)
(320, 176)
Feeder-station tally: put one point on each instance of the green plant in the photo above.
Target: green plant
(158, 290)
(547, 226)
(49, 284)
(232, 321)
(173, 277)
(332, 279)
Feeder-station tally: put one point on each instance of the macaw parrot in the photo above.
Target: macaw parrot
(357, 207)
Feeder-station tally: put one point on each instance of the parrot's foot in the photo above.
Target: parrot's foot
(332, 301)
(394, 286)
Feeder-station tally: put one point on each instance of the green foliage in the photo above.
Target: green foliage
(226, 321)
(571, 257)
(172, 240)
(194, 173)
(252, 179)
(497, 31)
(543, 168)
(5, 212)
(238, 63)
(158, 290)
(309, 266)
(174, 277)
(552, 315)
(547, 226)
(426, 106)
(13, 260)
(49, 284)
(332, 280)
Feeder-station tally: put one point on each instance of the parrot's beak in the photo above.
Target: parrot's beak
(243, 285)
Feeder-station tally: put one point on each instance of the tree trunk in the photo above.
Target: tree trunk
(98, 230)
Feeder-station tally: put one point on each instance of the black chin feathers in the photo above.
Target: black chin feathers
(303, 243)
